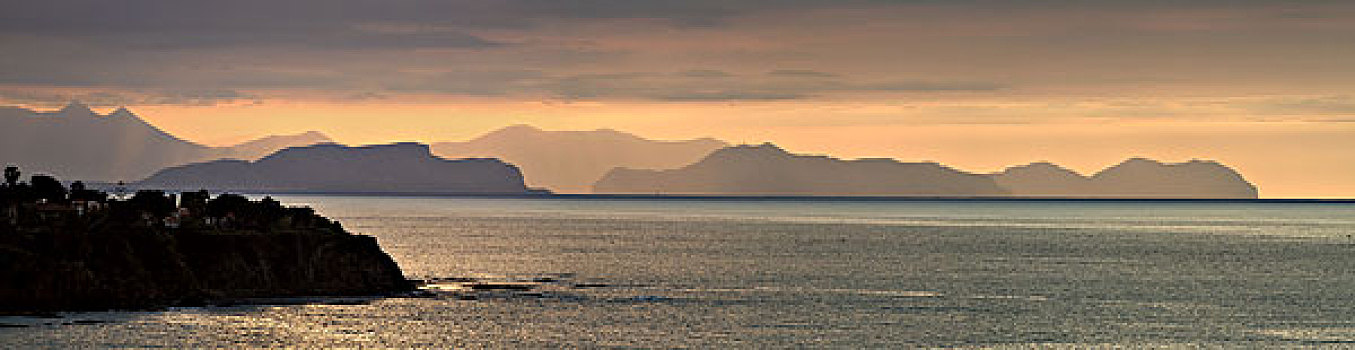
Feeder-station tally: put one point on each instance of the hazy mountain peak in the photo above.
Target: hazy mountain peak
(254, 149)
(514, 130)
(76, 108)
(571, 161)
(313, 134)
(767, 147)
(1140, 161)
(117, 146)
(289, 140)
(122, 112)
(1204, 162)
(748, 154)
(1041, 168)
(517, 132)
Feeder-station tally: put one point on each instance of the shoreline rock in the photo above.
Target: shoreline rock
(49, 271)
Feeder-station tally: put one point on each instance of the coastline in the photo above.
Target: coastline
(84, 250)
(147, 270)
(706, 197)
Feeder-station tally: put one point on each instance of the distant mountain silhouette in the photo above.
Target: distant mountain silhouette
(1044, 179)
(258, 148)
(769, 170)
(392, 168)
(80, 144)
(571, 161)
(1134, 178)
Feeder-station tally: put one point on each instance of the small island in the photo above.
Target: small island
(73, 248)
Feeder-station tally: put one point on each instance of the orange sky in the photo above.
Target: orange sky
(1264, 86)
(1286, 159)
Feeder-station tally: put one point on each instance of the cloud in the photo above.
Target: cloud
(471, 82)
(1321, 105)
(920, 85)
(705, 73)
(736, 49)
(364, 96)
(20, 96)
(198, 97)
(681, 86)
(713, 96)
(800, 73)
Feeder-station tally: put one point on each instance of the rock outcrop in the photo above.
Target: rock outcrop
(60, 270)
(392, 168)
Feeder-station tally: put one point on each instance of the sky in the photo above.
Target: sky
(1263, 86)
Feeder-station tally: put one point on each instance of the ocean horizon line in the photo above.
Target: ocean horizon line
(833, 198)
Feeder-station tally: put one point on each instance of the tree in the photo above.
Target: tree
(11, 175)
(48, 188)
(227, 203)
(152, 201)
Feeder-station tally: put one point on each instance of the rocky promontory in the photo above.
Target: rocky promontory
(78, 250)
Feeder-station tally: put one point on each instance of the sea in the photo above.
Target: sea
(592, 272)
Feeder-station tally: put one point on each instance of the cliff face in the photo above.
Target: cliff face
(769, 170)
(53, 271)
(393, 168)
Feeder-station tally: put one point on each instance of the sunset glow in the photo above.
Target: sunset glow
(1261, 86)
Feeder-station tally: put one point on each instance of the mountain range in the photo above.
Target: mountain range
(78, 143)
(769, 170)
(571, 161)
(392, 168)
(1133, 178)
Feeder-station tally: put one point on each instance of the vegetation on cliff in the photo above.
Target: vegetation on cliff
(78, 249)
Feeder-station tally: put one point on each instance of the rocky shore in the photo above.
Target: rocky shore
(69, 270)
(83, 250)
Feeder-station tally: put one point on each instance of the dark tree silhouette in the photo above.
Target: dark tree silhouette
(195, 201)
(48, 188)
(227, 203)
(11, 175)
(153, 202)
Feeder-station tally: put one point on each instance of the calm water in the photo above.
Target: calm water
(645, 273)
